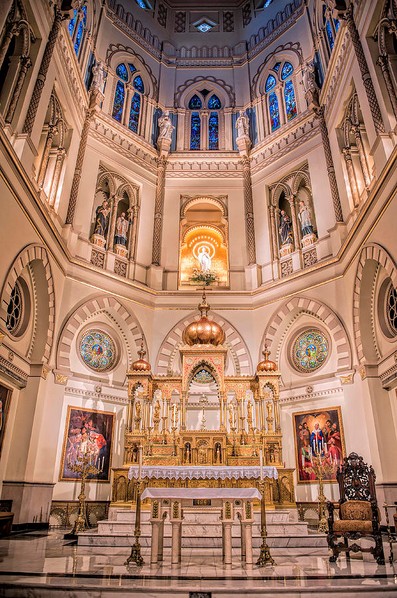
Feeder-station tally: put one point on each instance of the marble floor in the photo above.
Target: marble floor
(45, 565)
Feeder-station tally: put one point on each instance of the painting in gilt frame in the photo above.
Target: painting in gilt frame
(318, 432)
(5, 399)
(87, 431)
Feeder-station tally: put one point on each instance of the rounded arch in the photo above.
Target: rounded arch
(300, 177)
(96, 305)
(219, 86)
(364, 283)
(278, 190)
(130, 191)
(173, 341)
(36, 257)
(290, 52)
(120, 53)
(287, 314)
(203, 199)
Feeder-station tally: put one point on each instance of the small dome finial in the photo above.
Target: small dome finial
(267, 365)
(141, 365)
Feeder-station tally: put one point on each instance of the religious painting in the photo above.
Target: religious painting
(5, 399)
(318, 437)
(87, 432)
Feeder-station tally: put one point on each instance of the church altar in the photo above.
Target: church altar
(202, 473)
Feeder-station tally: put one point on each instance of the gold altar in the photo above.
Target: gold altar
(167, 424)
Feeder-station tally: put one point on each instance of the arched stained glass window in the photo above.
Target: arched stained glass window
(337, 24)
(134, 112)
(138, 84)
(214, 103)
(270, 83)
(77, 26)
(274, 111)
(121, 72)
(132, 68)
(290, 102)
(329, 34)
(118, 103)
(276, 67)
(213, 131)
(195, 131)
(195, 103)
(287, 70)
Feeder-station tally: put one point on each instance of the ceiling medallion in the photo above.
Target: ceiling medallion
(204, 25)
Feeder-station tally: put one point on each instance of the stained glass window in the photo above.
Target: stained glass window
(138, 84)
(72, 22)
(392, 309)
(337, 24)
(132, 68)
(214, 103)
(203, 377)
(97, 350)
(330, 35)
(134, 112)
(290, 102)
(195, 131)
(270, 83)
(274, 111)
(277, 67)
(310, 350)
(14, 310)
(121, 72)
(118, 103)
(213, 131)
(79, 37)
(287, 70)
(195, 103)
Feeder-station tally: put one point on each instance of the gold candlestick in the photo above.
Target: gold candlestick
(164, 418)
(265, 557)
(321, 468)
(85, 468)
(135, 556)
(174, 440)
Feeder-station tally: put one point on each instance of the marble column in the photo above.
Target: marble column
(227, 542)
(159, 210)
(352, 176)
(330, 165)
(362, 156)
(249, 210)
(247, 531)
(383, 62)
(24, 65)
(154, 549)
(176, 541)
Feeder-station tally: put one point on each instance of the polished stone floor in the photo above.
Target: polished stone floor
(46, 566)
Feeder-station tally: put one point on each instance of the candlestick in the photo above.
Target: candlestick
(140, 463)
(261, 462)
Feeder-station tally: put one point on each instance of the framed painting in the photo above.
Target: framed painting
(87, 432)
(318, 433)
(5, 400)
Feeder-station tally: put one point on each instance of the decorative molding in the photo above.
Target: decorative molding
(79, 94)
(310, 396)
(265, 37)
(98, 395)
(18, 376)
(347, 378)
(228, 89)
(153, 46)
(59, 378)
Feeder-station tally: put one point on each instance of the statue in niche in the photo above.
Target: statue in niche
(305, 219)
(166, 127)
(102, 219)
(188, 453)
(310, 85)
(231, 415)
(218, 454)
(242, 125)
(156, 412)
(122, 225)
(249, 414)
(205, 259)
(285, 228)
(98, 77)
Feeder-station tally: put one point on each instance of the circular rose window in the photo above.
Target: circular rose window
(97, 350)
(310, 350)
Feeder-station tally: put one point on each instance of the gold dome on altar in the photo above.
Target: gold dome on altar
(204, 331)
(267, 365)
(141, 365)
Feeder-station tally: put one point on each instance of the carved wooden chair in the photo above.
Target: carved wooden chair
(359, 515)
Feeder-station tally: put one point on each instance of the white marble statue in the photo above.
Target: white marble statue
(165, 125)
(204, 258)
(242, 124)
(98, 77)
(305, 219)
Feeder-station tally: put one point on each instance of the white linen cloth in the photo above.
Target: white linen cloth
(180, 472)
(190, 493)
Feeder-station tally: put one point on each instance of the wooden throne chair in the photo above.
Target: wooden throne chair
(359, 515)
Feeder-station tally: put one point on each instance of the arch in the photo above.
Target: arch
(290, 52)
(173, 341)
(285, 315)
(120, 53)
(219, 86)
(96, 305)
(203, 363)
(299, 177)
(380, 256)
(27, 257)
(203, 199)
(277, 191)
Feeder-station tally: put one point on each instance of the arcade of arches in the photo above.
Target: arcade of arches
(148, 150)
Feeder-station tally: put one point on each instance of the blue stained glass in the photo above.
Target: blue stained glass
(84, 9)
(134, 112)
(213, 131)
(118, 103)
(274, 111)
(270, 83)
(121, 71)
(277, 67)
(290, 102)
(329, 34)
(195, 103)
(138, 84)
(72, 22)
(79, 37)
(286, 70)
(337, 24)
(132, 68)
(195, 131)
(214, 103)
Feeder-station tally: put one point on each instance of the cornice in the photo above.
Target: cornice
(72, 72)
(309, 395)
(122, 26)
(97, 396)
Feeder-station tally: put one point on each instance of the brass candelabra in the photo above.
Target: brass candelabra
(265, 557)
(321, 468)
(85, 468)
(135, 556)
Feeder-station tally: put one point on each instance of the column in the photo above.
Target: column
(61, 152)
(384, 65)
(46, 155)
(11, 30)
(361, 155)
(227, 542)
(159, 210)
(247, 530)
(295, 228)
(41, 77)
(352, 176)
(154, 549)
(366, 77)
(176, 537)
(24, 65)
(330, 165)
(249, 211)
(112, 228)
(204, 130)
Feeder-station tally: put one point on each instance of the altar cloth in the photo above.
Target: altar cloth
(192, 493)
(180, 472)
